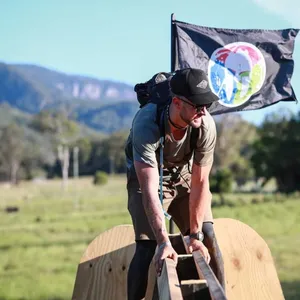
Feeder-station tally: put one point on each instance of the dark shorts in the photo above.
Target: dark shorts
(176, 203)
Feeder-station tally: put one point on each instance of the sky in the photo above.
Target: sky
(128, 41)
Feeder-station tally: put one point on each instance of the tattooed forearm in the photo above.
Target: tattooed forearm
(200, 196)
(155, 214)
(149, 183)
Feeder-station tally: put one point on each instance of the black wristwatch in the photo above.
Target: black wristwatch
(198, 236)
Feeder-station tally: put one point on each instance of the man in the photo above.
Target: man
(186, 193)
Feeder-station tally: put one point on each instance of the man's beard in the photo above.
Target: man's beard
(195, 122)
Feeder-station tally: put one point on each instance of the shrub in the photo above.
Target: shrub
(268, 198)
(255, 200)
(221, 182)
(100, 178)
(242, 201)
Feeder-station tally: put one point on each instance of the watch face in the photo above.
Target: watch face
(200, 236)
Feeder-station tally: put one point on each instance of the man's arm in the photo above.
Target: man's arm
(200, 196)
(149, 182)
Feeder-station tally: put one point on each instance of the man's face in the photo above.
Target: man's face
(191, 115)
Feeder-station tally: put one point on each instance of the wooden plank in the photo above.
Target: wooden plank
(177, 243)
(194, 281)
(102, 272)
(187, 276)
(186, 268)
(249, 267)
(168, 282)
(151, 292)
(194, 289)
(215, 289)
(205, 272)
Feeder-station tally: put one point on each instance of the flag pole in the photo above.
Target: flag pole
(171, 222)
(172, 43)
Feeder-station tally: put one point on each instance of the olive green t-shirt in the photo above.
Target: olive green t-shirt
(143, 142)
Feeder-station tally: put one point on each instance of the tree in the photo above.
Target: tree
(234, 145)
(23, 153)
(84, 147)
(109, 154)
(12, 151)
(114, 151)
(63, 133)
(221, 183)
(276, 151)
(38, 154)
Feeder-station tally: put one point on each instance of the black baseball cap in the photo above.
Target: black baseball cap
(193, 85)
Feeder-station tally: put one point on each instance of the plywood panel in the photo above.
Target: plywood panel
(205, 272)
(168, 283)
(102, 272)
(151, 292)
(249, 266)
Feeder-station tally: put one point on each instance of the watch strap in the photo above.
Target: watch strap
(198, 236)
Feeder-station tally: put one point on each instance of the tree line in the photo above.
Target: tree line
(51, 145)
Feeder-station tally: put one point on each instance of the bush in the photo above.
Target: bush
(255, 200)
(221, 182)
(100, 178)
(267, 198)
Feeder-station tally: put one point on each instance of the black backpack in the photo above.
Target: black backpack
(157, 90)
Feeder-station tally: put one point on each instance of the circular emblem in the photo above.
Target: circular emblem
(236, 72)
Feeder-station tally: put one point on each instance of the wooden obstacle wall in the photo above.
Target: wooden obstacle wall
(102, 271)
(249, 268)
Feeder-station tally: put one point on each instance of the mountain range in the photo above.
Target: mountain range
(102, 105)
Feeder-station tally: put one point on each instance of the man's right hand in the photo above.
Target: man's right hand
(195, 245)
(164, 251)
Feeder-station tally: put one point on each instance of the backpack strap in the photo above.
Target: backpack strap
(193, 143)
(160, 114)
(194, 138)
(160, 121)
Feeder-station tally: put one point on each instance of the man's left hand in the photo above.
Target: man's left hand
(196, 245)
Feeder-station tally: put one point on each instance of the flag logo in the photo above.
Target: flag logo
(236, 72)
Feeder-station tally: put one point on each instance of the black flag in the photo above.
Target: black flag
(247, 69)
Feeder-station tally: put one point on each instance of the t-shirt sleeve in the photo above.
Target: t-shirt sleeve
(204, 152)
(145, 139)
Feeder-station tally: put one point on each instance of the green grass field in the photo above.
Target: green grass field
(41, 244)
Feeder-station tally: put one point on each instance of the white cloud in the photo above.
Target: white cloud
(286, 9)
